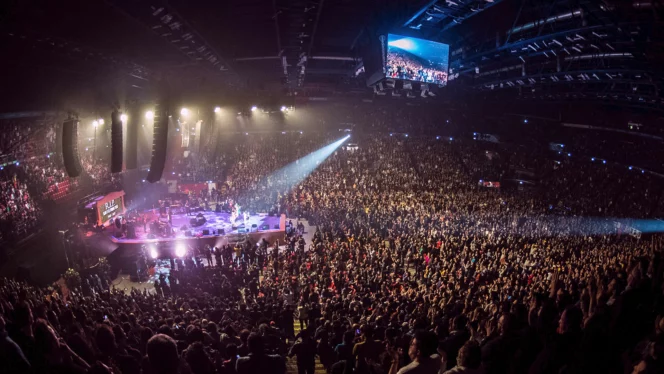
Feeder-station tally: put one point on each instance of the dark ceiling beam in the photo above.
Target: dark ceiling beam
(421, 11)
(466, 17)
(276, 25)
(313, 33)
(488, 54)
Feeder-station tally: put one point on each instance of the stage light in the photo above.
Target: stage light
(95, 123)
(592, 159)
(283, 108)
(217, 109)
(184, 111)
(604, 161)
(101, 121)
(153, 253)
(569, 155)
(643, 171)
(630, 168)
(437, 137)
(525, 121)
(149, 114)
(520, 182)
(180, 250)
(451, 138)
(406, 135)
(253, 108)
(301, 133)
(123, 117)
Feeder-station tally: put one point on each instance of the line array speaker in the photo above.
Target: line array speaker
(160, 136)
(70, 148)
(131, 161)
(116, 142)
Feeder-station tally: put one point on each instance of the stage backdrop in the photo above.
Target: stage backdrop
(110, 206)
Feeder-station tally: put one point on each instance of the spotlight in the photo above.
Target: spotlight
(437, 137)
(180, 250)
(525, 121)
(149, 114)
(253, 108)
(301, 133)
(123, 117)
(406, 135)
(217, 110)
(95, 123)
(451, 138)
(184, 111)
(592, 159)
(153, 253)
(604, 161)
(520, 182)
(630, 168)
(283, 108)
(101, 121)
(569, 155)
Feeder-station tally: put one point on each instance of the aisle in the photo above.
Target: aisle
(291, 363)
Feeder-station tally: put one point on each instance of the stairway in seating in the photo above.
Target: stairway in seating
(291, 363)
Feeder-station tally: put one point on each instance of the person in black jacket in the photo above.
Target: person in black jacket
(259, 362)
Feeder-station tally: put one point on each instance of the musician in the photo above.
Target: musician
(187, 208)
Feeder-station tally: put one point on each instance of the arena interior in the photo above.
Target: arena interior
(332, 186)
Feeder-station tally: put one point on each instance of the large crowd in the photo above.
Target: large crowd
(412, 268)
(406, 66)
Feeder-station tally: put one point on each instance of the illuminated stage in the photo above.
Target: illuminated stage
(217, 229)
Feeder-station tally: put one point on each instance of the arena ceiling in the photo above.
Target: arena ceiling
(564, 50)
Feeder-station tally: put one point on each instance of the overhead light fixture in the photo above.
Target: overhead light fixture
(149, 114)
(217, 110)
(123, 117)
(184, 111)
(283, 109)
(101, 121)
(254, 108)
(95, 123)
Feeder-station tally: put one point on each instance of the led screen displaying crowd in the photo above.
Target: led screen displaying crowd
(417, 60)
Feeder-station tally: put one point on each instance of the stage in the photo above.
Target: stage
(217, 229)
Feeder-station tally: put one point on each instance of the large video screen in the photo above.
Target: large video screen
(109, 209)
(417, 60)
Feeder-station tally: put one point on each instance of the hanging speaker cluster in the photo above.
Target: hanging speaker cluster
(70, 148)
(160, 135)
(131, 161)
(116, 142)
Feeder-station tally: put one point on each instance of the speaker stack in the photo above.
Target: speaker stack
(116, 142)
(134, 117)
(160, 135)
(70, 148)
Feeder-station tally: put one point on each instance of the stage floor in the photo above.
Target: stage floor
(214, 223)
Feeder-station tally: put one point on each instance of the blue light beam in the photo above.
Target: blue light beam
(295, 172)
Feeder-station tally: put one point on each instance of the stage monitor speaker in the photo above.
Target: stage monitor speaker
(134, 117)
(276, 227)
(217, 208)
(221, 231)
(160, 134)
(70, 148)
(206, 232)
(116, 142)
(265, 227)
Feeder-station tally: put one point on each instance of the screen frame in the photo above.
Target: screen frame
(386, 49)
